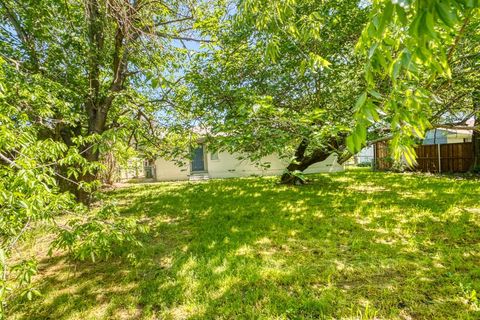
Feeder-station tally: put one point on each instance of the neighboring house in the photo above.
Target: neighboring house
(445, 136)
(450, 135)
(206, 164)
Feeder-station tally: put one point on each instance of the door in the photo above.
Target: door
(198, 161)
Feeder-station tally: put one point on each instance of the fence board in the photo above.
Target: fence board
(454, 157)
(382, 156)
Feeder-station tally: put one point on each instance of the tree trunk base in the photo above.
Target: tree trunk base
(290, 179)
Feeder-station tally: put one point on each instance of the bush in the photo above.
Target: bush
(365, 164)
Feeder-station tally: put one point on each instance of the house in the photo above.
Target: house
(210, 164)
(446, 135)
(136, 168)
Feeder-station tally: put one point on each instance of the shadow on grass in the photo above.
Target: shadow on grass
(355, 244)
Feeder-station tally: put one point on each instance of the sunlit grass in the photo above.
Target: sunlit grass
(354, 245)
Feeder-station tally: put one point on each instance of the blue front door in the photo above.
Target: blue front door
(198, 163)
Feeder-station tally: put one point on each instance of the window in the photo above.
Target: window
(214, 155)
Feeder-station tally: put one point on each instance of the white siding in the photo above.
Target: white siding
(228, 166)
(459, 138)
(168, 170)
(365, 155)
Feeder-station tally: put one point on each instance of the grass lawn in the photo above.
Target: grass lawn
(353, 245)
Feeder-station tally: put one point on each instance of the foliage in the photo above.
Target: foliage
(28, 189)
(80, 80)
(346, 245)
(266, 86)
(116, 158)
(76, 77)
(97, 235)
(414, 46)
(293, 72)
(109, 66)
(30, 193)
(366, 164)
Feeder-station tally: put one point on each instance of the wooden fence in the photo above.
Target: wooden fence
(453, 157)
(382, 157)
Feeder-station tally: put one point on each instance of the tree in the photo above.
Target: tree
(269, 91)
(97, 57)
(75, 77)
(413, 44)
(290, 78)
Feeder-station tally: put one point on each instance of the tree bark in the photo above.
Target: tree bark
(97, 105)
(476, 133)
(99, 96)
(302, 162)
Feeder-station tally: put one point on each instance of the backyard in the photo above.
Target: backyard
(352, 245)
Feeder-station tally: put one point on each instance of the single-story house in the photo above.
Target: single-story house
(207, 164)
(445, 136)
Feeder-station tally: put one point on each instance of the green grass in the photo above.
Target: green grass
(354, 245)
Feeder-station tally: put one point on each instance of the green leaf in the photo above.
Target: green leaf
(361, 101)
(372, 50)
(350, 144)
(362, 136)
(395, 68)
(155, 82)
(272, 50)
(386, 18)
(402, 15)
(414, 29)
(410, 156)
(419, 133)
(303, 67)
(446, 13)
(372, 112)
(430, 24)
(471, 3)
(375, 94)
(406, 59)
(2, 257)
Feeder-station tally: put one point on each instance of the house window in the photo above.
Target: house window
(214, 155)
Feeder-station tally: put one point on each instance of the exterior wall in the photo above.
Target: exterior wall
(435, 137)
(329, 165)
(366, 155)
(168, 170)
(441, 136)
(461, 138)
(228, 166)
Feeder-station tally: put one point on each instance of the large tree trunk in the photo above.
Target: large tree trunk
(476, 133)
(98, 97)
(302, 162)
(98, 104)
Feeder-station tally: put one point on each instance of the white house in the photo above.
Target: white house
(446, 136)
(206, 164)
